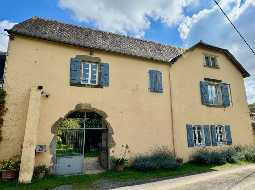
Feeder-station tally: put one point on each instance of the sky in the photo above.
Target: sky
(181, 23)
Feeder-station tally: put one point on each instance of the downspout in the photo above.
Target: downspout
(171, 112)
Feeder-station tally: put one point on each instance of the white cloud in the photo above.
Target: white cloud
(4, 24)
(233, 8)
(187, 23)
(126, 17)
(212, 27)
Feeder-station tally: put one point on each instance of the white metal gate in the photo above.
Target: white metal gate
(71, 144)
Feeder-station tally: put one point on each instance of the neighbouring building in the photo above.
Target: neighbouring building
(121, 91)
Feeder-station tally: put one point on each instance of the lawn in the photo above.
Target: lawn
(128, 177)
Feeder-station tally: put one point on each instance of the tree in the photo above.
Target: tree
(252, 107)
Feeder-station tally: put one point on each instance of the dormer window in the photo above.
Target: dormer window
(210, 61)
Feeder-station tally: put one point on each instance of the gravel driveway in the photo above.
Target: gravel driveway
(242, 178)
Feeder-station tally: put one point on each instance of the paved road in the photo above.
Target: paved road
(242, 178)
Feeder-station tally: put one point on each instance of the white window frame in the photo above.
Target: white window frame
(90, 73)
(221, 138)
(195, 140)
(210, 61)
(215, 94)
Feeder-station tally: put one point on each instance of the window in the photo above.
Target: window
(155, 81)
(198, 135)
(220, 134)
(89, 73)
(214, 94)
(211, 61)
(208, 135)
(83, 73)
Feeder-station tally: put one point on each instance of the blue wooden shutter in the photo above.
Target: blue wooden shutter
(207, 135)
(204, 92)
(75, 71)
(213, 135)
(155, 79)
(225, 95)
(152, 80)
(104, 74)
(190, 140)
(159, 85)
(228, 135)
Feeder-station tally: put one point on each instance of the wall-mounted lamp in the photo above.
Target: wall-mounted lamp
(45, 94)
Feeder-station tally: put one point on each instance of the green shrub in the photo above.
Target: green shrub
(40, 171)
(160, 158)
(230, 154)
(10, 164)
(247, 154)
(205, 156)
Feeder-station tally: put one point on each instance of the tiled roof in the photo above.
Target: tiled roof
(89, 38)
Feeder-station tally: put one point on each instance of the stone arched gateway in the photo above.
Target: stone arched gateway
(84, 145)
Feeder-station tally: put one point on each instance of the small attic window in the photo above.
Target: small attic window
(210, 61)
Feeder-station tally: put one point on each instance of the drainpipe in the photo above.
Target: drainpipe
(171, 112)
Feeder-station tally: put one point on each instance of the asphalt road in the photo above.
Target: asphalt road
(242, 178)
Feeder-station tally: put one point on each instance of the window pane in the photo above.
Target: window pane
(85, 76)
(213, 62)
(89, 73)
(219, 95)
(207, 60)
(93, 74)
(215, 94)
(212, 94)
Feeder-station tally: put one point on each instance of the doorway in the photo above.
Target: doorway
(82, 144)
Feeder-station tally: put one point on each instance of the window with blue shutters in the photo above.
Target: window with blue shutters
(215, 94)
(155, 81)
(221, 135)
(208, 135)
(210, 61)
(198, 135)
(83, 73)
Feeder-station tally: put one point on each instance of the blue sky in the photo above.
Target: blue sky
(177, 22)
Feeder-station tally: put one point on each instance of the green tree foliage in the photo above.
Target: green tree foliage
(70, 123)
(2, 109)
(252, 107)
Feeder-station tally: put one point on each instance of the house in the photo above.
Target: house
(121, 91)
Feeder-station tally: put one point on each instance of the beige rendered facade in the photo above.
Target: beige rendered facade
(138, 117)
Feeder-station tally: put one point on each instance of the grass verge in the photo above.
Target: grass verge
(125, 176)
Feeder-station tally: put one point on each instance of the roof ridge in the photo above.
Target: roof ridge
(99, 30)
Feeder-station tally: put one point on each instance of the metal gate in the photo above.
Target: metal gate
(71, 143)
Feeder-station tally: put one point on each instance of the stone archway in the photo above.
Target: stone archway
(84, 108)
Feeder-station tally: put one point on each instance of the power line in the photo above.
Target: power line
(245, 41)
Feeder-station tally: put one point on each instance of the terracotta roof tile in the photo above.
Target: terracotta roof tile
(89, 38)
